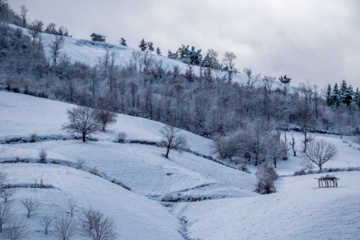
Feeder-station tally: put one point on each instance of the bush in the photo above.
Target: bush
(266, 176)
(33, 138)
(42, 156)
(243, 168)
(121, 137)
(300, 172)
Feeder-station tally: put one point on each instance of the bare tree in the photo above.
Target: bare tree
(23, 14)
(172, 139)
(82, 120)
(320, 152)
(17, 230)
(229, 63)
(65, 228)
(251, 78)
(292, 144)
(35, 28)
(98, 226)
(31, 205)
(5, 215)
(72, 207)
(3, 178)
(7, 193)
(45, 222)
(55, 45)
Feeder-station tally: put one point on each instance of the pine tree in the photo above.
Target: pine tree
(172, 55)
(123, 42)
(158, 52)
(335, 96)
(150, 46)
(328, 95)
(143, 45)
(357, 97)
(346, 93)
(284, 79)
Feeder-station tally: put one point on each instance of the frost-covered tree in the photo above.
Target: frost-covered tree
(172, 139)
(346, 93)
(6, 215)
(35, 29)
(158, 51)
(335, 96)
(31, 205)
(266, 175)
(82, 120)
(284, 79)
(172, 55)
(150, 46)
(123, 42)
(45, 222)
(357, 97)
(143, 45)
(23, 15)
(319, 152)
(97, 226)
(56, 44)
(229, 64)
(328, 95)
(16, 230)
(65, 228)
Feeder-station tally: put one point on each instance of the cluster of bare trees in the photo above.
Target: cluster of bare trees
(253, 144)
(77, 220)
(85, 121)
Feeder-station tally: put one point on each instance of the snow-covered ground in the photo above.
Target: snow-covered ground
(135, 217)
(299, 210)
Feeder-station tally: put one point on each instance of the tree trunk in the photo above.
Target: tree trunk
(84, 137)
(275, 162)
(167, 152)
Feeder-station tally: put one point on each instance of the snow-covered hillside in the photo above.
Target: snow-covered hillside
(89, 52)
(299, 210)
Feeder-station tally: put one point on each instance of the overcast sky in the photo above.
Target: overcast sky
(309, 40)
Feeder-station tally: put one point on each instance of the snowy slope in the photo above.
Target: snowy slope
(141, 167)
(87, 51)
(299, 210)
(135, 217)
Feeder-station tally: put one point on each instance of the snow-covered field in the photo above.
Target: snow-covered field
(299, 210)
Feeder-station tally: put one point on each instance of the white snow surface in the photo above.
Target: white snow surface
(135, 217)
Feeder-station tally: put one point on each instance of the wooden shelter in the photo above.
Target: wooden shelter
(97, 37)
(328, 181)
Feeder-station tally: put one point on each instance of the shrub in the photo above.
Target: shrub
(266, 176)
(300, 172)
(42, 156)
(243, 168)
(33, 138)
(121, 137)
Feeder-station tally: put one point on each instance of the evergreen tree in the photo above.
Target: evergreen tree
(346, 93)
(143, 45)
(123, 42)
(284, 79)
(158, 52)
(357, 97)
(328, 95)
(172, 55)
(151, 46)
(335, 96)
